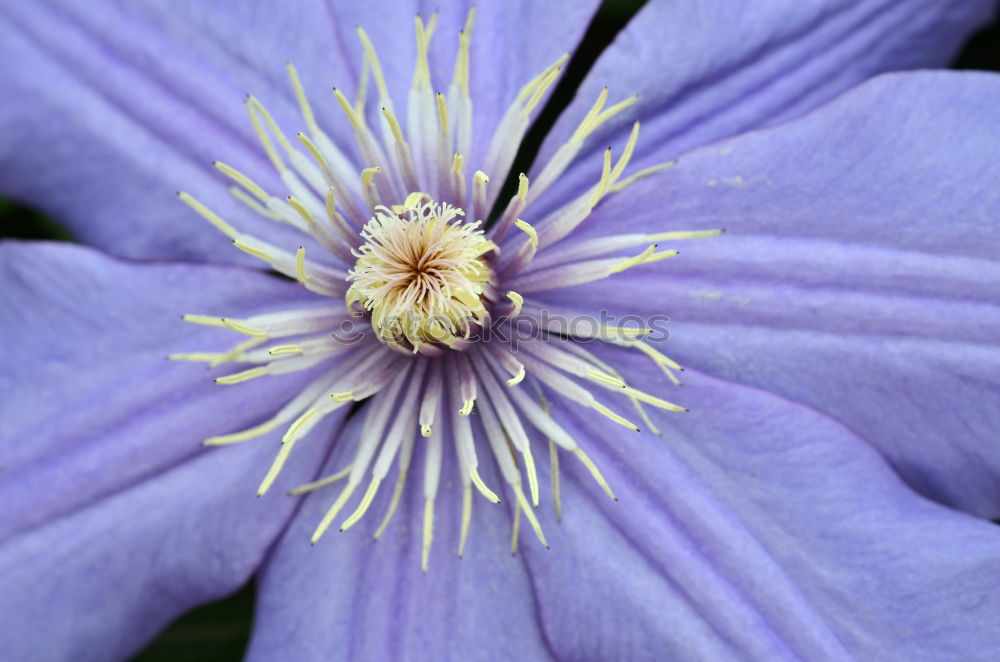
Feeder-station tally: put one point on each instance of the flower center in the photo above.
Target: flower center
(422, 273)
(425, 273)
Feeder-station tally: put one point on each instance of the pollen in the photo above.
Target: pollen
(422, 274)
(393, 245)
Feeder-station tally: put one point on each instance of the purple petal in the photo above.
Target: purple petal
(347, 598)
(115, 519)
(859, 274)
(111, 108)
(755, 529)
(708, 70)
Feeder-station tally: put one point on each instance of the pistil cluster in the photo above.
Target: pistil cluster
(422, 274)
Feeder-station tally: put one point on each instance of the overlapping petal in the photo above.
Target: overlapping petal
(115, 520)
(757, 529)
(858, 276)
(710, 70)
(754, 528)
(113, 106)
(347, 598)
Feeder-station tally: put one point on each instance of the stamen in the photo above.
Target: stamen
(513, 211)
(480, 204)
(481, 486)
(300, 266)
(466, 518)
(432, 477)
(242, 180)
(523, 503)
(517, 300)
(208, 215)
(425, 277)
(385, 100)
(366, 502)
(244, 376)
(322, 482)
(405, 455)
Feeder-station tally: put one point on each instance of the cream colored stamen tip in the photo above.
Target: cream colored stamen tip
(425, 430)
(518, 378)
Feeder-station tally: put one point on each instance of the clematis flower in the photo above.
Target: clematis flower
(822, 499)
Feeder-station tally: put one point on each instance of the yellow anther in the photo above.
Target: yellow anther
(322, 482)
(397, 131)
(528, 230)
(242, 327)
(271, 124)
(528, 90)
(366, 502)
(204, 320)
(648, 256)
(689, 234)
(602, 186)
(529, 513)
(376, 67)
(425, 430)
(300, 96)
(265, 140)
(518, 378)
(208, 215)
(242, 180)
(625, 331)
(652, 399)
(442, 108)
(595, 472)
(529, 468)
(481, 486)
(620, 420)
(195, 356)
(353, 116)
(300, 208)
(626, 156)
(460, 77)
(645, 172)
(522, 187)
(332, 512)
(517, 300)
(466, 407)
(599, 376)
(313, 150)
(293, 430)
(243, 376)
(344, 396)
(252, 203)
(284, 350)
(300, 265)
(237, 437)
(368, 175)
(252, 251)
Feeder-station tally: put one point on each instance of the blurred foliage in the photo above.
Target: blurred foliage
(219, 631)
